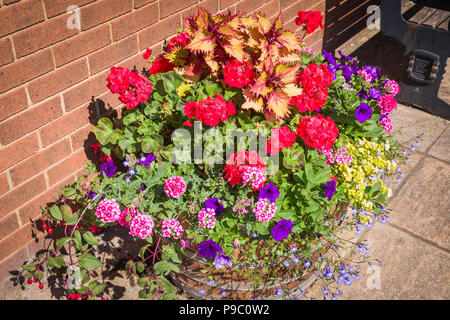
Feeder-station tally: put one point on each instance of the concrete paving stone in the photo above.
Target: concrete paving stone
(408, 123)
(440, 149)
(422, 205)
(406, 168)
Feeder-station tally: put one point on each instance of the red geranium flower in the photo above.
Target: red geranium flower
(147, 54)
(210, 111)
(181, 39)
(281, 138)
(161, 65)
(239, 162)
(310, 19)
(318, 131)
(237, 74)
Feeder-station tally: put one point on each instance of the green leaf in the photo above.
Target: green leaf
(61, 242)
(29, 267)
(140, 267)
(90, 238)
(104, 130)
(77, 239)
(99, 288)
(142, 282)
(87, 261)
(66, 212)
(129, 119)
(55, 212)
(72, 220)
(165, 267)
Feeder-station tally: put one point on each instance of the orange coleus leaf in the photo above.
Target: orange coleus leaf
(201, 43)
(235, 49)
(264, 24)
(251, 101)
(214, 65)
(290, 41)
(260, 88)
(286, 73)
(292, 90)
(278, 103)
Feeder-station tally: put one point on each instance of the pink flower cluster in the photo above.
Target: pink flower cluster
(175, 187)
(241, 206)
(108, 211)
(172, 229)
(207, 218)
(131, 86)
(264, 210)
(131, 211)
(387, 124)
(366, 75)
(142, 226)
(253, 176)
(387, 104)
(339, 156)
(392, 87)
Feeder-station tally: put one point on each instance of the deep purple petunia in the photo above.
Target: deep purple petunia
(214, 203)
(330, 190)
(269, 191)
(329, 57)
(147, 160)
(282, 229)
(209, 249)
(108, 168)
(374, 93)
(222, 261)
(347, 72)
(363, 113)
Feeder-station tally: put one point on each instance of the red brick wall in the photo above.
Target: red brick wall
(49, 75)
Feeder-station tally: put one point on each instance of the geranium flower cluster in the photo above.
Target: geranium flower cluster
(175, 187)
(160, 65)
(318, 132)
(387, 104)
(310, 19)
(210, 111)
(314, 79)
(281, 138)
(132, 87)
(207, 218)
(180, 40)
(237, 74)
(172, 229)
(264, 210)
(239, 162)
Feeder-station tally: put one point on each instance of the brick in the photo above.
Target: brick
(286, 3)
(140, 3)
(4, 186)
(291, 12)
(25, 70)
(58, 80)
(64, 125)
(20, 15)
(85, 91)
(167, 7)
(32, 210)
(105, 103)
(210, 5)
(105, 58)
(29, 120)
(248, 6)
(68, 166)
(159, 31)
(6, 53)
(42, 35)
(103, 10)
(134, 21)
(81, 45)
(83, 137)
(226, 3)
(40, 161)
(55, 7)
(16, 240)
(270, 9)
(8, 225)
(135, 62)
(12, 102)
(18, 151)
(10, 1)
(18, 196)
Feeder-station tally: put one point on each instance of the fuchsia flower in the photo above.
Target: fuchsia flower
(108, 210)
(142, 226)
(175, 187)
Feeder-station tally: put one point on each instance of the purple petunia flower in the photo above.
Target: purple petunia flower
(209, 249)
(214, 203)
(147, 160)
(222, 261)
(282, 229)
(375, 72)
(330, 190)
(374, 94)
(108, 168)
(363, 113)
(269, 191)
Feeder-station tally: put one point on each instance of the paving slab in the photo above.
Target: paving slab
(441, 148)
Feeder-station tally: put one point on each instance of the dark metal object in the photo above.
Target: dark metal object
(427, 50)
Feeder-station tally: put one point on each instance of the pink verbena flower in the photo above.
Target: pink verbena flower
(336, 156)
(253, 176)
(172, 229)
(392, 87)
(131, 211)
(387, 104)
(241, 206)
(142, 226)
(264, 210)
(175, 187)
(108, 210)
(367, 76)
(387, 124)
(207, 218)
